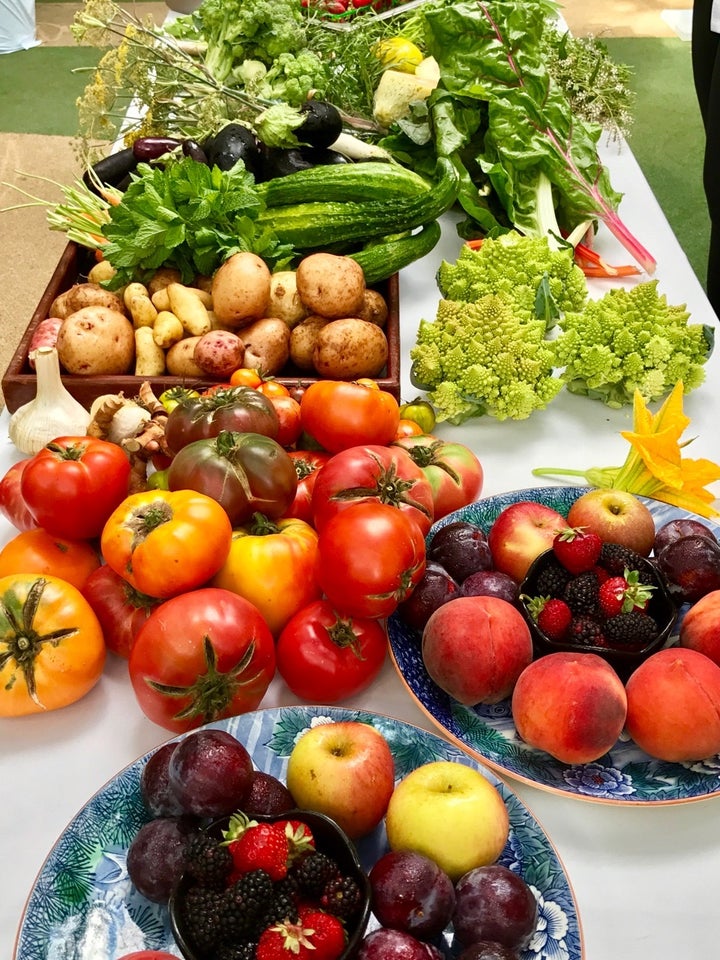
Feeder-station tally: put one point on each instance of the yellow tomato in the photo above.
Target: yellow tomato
(397, 53)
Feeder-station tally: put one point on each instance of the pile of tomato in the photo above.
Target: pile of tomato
(276, 535)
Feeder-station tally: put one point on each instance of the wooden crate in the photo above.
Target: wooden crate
(18, 382)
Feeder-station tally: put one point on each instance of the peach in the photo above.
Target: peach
(674, 705)
(475, 648)
(571, 705)
(700, 628)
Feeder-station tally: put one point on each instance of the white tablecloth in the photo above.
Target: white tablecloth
(644, 878)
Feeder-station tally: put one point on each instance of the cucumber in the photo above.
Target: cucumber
(381, 260)
(359, 182)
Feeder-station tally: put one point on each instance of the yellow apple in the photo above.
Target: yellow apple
(616, 516)
(451, 813)
(345, 770)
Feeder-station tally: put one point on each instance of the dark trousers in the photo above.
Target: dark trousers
(706, 74)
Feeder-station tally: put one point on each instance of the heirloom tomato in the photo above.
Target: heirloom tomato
(378, 474)
(273, 566)
(73, 484)
(454, 472)
(164, 542)
(370, 557)
(307, 464)
(37, 551)
(408, 428)
(290, 424)
(121, 609)
(238, 409)
(12, 502)
(245, 377)
(202, 656)
(324, 656)
(421, 412)
(245, 473)
(52, 650)
(340, 414)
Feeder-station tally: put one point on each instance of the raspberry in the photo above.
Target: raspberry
(581, 594)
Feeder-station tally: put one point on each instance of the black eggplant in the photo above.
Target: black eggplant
(112, 170)
(279, 162)
(323, 157)
(234, 142)
(192, 149)
(322, 124)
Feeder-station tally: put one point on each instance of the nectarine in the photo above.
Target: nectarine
(700, 628)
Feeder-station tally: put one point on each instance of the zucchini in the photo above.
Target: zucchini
(371, 180)
(380, 260)
(313, 225)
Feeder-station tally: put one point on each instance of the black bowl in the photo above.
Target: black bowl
(329, 839)
(661, 607)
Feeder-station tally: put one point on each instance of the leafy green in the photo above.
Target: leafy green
(189, 216)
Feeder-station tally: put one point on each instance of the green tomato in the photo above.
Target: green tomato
(158, 480)
(420, 412)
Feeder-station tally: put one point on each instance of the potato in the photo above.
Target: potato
(96, 341)
(44, 335)
(374, 308)
(149, 357)
(350, 348)
(102, 270)
(241, 290)
(85, 295)
(167, 329)
(219, 353)
(139, 305)
(189, 308)
(267, 345)
(330, 285)
(180, 359)
(285, 302)
(303, 338)
(161, 278)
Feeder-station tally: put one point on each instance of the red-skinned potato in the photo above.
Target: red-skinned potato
(241, 290)
(218, 353)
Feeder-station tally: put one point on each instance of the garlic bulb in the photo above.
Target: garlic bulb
(53, 413)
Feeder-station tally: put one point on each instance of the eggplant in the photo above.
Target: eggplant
(192, 149)
(323, 157)
(112, 170)
(234, 142)
(279, 162)
(322, 124)
(151, 148)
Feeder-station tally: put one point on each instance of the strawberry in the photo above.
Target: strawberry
(316, 936)
(257, 846)
(623, 594)
(300, 838)
(576, 550)
(552, 616)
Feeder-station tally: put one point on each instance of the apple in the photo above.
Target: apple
(616, 516)
(344, 769)
(521, 533)
(450, 813)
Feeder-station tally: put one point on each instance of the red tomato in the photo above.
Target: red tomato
(36, 551)
(121, 609)
(454, 472)
(288, 411)
(73, 485)
(370, 556)
(324, 656)
(341, 415)
(202, 656)
(307, 465)
(374, 473)
(12, 502)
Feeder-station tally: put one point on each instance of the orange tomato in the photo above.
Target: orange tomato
(273, 388)
(52, 650)
(36, 551)
(245, 377)
(408, 428)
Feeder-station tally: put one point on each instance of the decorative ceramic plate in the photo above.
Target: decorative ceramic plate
(626, 775)
(84, 907)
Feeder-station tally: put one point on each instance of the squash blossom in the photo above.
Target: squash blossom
(655, 466)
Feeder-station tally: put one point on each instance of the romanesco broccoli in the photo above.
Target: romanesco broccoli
(631, 340)
(484, 357)
(515, 265)
(291, 78)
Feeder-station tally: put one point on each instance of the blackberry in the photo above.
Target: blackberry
(582, 594)
(236, 951)
(202, 910)
(341, 897)
(616, 559)
(282, 907)
(243, 906)
(313, 872)
(634, 629)
(586, 632)
(207, 860)
(552, 579)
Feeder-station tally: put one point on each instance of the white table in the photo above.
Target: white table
(644, 878)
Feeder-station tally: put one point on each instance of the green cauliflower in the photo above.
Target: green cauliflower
(484, 357)
(631, 340)
(291, 78)
(539, 281)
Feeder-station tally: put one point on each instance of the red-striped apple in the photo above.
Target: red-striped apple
(521, 533)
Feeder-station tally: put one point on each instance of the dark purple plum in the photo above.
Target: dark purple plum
(387, 944)
(682, 527)
(491, 583)
(461, 548)
(493, 903)
(410, 892)
(268, 796)
(211, 773)
(156, 856)
(155, 788)
(434, 589)
(691, 567)
(488, 950)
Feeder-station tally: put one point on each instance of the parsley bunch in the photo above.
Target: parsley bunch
(189, 216)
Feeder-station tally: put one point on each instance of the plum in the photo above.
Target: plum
(691, 566)
(493, 903)
(210, 772)
(491, 583)
(461, 548)
(410, 892)
(155, 788)
(682, 527)
(268, 796)
(156, 856)
(388, 944)
(488, 950)
(434, 589)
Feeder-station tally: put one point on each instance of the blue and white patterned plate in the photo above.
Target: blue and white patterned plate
(626, 775)
(83, 906)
